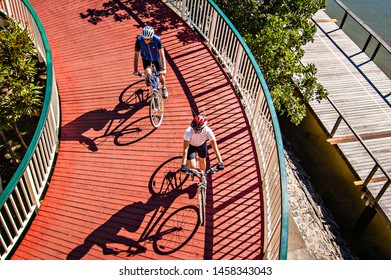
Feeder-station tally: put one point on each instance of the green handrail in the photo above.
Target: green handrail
(277, 133)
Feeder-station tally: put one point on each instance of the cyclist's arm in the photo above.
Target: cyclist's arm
(216, 150)
(135, 62)
(185, 150)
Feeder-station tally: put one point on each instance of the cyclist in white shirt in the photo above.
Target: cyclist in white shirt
(194, 142)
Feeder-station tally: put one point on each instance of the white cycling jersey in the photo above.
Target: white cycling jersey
(197, 139)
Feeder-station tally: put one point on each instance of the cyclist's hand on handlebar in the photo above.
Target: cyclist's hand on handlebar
(136, 73)
(184, 168)
(220, 166)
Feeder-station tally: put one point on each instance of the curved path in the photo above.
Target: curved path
(102, 201)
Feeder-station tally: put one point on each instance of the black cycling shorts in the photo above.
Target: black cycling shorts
(157, 63)
(200, 150)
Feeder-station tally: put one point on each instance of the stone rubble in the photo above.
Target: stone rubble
(314, 221)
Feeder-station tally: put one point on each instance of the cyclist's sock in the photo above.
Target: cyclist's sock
(147, 81)
(165, 92)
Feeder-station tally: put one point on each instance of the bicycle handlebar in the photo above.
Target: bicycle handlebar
(199, 174)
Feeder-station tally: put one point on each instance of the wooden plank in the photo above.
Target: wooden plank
(327, 20)
(373, 180)
(366, 136)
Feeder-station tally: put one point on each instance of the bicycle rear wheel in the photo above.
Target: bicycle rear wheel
(201, 204)
(156, 108)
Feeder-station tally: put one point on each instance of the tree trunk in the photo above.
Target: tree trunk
(20, 136)
(13, 156)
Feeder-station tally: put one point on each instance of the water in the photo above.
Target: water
(376, 14)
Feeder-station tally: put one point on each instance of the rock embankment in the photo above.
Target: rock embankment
(315, 223)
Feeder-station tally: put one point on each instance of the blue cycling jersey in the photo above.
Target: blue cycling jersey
(149, 51)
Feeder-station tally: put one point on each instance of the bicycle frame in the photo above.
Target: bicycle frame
(201, 190)
(154, 78)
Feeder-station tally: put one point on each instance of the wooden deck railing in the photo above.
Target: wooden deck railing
(236, 58)
(378, 180)
(21, 197)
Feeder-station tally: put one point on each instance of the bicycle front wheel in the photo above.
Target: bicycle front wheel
(201, 204)
(156, 108)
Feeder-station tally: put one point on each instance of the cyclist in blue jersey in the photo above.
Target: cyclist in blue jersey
(150, 46)
(194, 142)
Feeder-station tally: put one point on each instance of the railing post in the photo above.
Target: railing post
(343, 20)
(31, 188)
(184, 2)
(8, 9)
(368, 179)
(237, 63)
(212, 27)
(375, 52)
(382, 191)
(337, 123)
(367, 42)
(256, 109)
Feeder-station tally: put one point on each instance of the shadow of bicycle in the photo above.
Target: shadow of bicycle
(167, 230)
(116, 124)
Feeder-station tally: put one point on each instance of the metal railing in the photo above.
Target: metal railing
(377, 180)
(373, 42)
(373, 193)
(236, 58)
(21, 197)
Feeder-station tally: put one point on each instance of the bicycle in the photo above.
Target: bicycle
(156, 105)
(201, 190)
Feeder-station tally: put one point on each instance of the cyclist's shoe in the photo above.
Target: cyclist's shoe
(165, 93)
(220, 166)
(147, 81)
(184, 168)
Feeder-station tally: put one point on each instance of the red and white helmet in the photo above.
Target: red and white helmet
(199, 122)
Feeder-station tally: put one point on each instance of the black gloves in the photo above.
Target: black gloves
(220, 166)
(184, 168)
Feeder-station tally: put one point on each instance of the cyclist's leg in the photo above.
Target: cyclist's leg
(202, 153)
(162, 77)
(159, 68)
(191, 157)
(147, 71)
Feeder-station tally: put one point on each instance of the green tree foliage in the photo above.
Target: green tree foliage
(20, 95)
(275, 31)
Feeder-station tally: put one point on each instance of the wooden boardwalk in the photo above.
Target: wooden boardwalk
(362, 93)
(104, 196)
